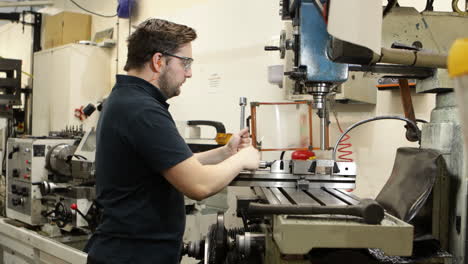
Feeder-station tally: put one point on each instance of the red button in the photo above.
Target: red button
(27, 161)
(74, 206)
(26, 176)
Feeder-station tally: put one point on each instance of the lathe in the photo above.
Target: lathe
(50, 181)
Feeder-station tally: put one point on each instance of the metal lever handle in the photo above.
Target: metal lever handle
(75, 208)
(369, 210)
(242, 103)
(264, 164)
(411, 132)
(271, 48)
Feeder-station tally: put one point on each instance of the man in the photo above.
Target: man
(143, 165)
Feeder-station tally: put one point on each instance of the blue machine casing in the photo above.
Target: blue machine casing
(313, 47)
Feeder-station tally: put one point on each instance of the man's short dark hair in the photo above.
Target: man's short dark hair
(156, 35)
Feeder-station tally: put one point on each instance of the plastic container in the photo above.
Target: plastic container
(458, 70)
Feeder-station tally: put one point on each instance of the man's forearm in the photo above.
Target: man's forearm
(199, 181)
(203, 180)
(213, 156)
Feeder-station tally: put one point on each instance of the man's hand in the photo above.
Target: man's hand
(250, 158)
(238, 141)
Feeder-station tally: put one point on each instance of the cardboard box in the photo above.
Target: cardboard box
(66, 27)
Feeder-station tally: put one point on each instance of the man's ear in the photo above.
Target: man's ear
(157, 62)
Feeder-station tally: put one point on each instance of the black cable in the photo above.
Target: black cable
(421, 121)
(408, 122)
(429, 5)
(390, 4)
(94, 13)
(282, 155)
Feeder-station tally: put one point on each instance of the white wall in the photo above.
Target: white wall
(16, 44)
(230, 46)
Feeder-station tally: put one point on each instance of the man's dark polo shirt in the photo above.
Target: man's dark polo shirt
(144, 215)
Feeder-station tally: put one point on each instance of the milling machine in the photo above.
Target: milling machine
(300, 211)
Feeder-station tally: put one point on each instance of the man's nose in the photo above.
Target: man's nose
(188, 73)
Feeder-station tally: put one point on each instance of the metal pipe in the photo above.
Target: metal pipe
(410, 122)
(412, 58)
(25, 3)
(253, 120)
(28, 113)
(287, 149)
(280, 103)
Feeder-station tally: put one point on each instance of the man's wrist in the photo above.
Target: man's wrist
(228, 152)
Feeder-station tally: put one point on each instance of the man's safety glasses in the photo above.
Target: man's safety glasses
(185, 60)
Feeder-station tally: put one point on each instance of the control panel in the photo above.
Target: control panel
(26, 169)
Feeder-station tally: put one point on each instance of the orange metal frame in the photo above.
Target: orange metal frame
(253, 113)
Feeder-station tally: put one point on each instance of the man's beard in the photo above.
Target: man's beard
(167, 85)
